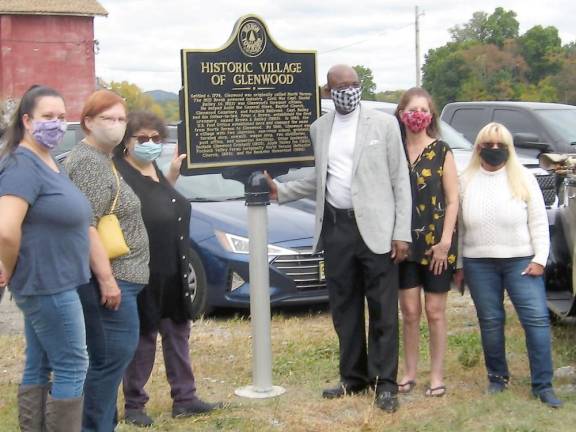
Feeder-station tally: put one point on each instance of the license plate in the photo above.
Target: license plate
(321, 271)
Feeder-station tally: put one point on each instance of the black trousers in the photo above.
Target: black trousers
(355, 273)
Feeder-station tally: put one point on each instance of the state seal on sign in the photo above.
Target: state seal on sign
(252, 38)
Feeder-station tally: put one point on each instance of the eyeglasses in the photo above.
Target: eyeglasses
(156, 138)
(112, 120)
(491, 145)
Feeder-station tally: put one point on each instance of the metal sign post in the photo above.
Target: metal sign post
(257, 198)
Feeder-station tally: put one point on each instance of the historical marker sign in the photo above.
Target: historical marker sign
(248, 105)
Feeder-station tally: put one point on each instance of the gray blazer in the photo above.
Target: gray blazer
(381, 193)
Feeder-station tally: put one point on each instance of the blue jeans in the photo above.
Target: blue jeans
(55, 342)
(487, 279)
(112, 338)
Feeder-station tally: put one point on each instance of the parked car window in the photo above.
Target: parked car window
(209, 187)
(454, 138)
(515, 121)
(72, 136)
(562, 122)
(469, 121)
(172, 134)
(205, 187)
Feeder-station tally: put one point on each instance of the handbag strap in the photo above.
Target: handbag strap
(117, 189)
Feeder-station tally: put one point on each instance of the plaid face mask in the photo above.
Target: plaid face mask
(346, 100)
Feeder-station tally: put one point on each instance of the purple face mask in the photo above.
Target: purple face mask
(49, 133)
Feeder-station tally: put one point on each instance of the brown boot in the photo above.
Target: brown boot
(63, 415)
(31, 407)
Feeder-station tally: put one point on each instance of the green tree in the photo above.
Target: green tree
(443, 73)
(541, 48)
(491, 29)
(494, 73)
(565, 80)
(367, 81)
(135, 98)
(473, 30)
(171, 111)
(501, 25)
(543, 91)
(392, 96)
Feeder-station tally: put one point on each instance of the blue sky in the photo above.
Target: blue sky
(140, 40)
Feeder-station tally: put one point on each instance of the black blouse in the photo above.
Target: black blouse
(429, 203)
(166, 215)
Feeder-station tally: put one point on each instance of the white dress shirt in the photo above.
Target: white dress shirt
(341, 159)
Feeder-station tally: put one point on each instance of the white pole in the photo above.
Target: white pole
(257, 201)
(417, 28)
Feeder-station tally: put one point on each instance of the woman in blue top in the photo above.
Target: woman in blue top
(44, 248)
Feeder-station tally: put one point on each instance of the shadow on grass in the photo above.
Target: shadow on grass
(225, 314)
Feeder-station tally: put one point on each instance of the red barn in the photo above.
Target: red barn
(48, 42)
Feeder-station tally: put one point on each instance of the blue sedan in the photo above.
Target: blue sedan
(219, 246)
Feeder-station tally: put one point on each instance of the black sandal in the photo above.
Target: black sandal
(410, 384)
(430, 391)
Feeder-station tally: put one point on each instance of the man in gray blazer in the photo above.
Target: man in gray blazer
(363, 216)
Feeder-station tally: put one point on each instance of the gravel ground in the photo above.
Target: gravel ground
(10, 316)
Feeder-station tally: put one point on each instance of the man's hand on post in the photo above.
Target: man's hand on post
(399, 251)
(272, 186)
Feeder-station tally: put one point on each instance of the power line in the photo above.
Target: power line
(365, 40)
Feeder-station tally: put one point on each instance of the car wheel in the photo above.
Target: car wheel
(198, 287)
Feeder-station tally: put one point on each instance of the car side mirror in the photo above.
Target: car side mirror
(529, 140)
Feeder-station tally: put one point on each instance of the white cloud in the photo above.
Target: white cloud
(140, 41)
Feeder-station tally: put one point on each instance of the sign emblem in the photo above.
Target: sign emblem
(252, 38)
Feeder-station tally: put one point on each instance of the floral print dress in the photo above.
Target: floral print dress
(429, 203)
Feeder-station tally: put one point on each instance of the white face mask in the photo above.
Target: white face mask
(109, 136)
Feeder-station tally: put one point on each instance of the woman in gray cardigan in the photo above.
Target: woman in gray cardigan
(109, 300)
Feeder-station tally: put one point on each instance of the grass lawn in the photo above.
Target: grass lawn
(305, 359)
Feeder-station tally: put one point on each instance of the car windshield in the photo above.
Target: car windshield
(205, 187)
(562, 121)
(453, 138)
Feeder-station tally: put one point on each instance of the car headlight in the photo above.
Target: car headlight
(241, 245)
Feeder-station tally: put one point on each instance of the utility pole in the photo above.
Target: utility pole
(417, 16)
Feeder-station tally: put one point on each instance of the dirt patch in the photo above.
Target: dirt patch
(11, 321)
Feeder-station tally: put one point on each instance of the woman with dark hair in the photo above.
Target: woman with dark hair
(109, 299)
(164, 305)
(432, 258)
(44, 249)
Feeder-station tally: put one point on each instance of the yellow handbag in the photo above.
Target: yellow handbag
(109, 228)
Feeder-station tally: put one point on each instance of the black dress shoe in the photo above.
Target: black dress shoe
(548, 397)
(197, 406)
(342, 390)
(137, 417)
(387, 401)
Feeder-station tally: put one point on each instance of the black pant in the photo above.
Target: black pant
(354, 272)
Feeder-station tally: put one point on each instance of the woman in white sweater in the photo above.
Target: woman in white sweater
(504, 244)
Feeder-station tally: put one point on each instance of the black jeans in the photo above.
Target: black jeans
(355, 273)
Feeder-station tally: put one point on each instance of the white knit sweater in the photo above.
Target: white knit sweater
(494, 224)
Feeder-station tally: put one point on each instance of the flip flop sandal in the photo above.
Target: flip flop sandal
(408, 386)
(431, 392)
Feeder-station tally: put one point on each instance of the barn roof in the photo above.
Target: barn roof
(52, 7)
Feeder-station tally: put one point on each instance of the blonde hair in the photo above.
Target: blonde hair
(498, 133)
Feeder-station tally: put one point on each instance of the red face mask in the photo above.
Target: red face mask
(416, 121)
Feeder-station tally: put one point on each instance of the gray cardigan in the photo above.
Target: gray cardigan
(91, 171)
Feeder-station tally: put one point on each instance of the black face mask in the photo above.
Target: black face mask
(494, 156)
